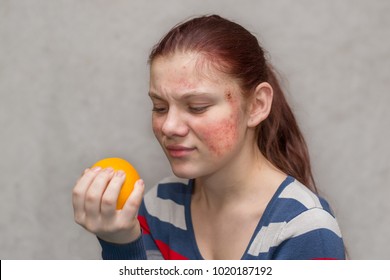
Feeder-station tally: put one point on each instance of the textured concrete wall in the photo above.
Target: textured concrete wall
(73, 89)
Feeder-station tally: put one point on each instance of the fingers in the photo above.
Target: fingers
(95, 192)
(135, 199)
(94, 200)
(79, 192)
(110, 196)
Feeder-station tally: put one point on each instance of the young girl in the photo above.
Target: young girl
(246, 189)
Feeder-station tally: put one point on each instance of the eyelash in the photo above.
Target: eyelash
(192, 109)
(159, 110)
(198, 109)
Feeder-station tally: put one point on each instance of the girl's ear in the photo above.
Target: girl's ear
(260, 104)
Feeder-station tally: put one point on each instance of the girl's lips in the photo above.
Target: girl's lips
(178, 151)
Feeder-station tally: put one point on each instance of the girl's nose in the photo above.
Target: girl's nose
(174, 124)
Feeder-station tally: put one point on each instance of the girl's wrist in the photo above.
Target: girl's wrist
(124, 237)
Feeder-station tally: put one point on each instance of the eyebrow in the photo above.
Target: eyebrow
(154, 95)
(186, 95)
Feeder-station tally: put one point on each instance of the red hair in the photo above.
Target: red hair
(231, 48)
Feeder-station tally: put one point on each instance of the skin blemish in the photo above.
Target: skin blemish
(183, 85)
(221, 136)
(228, 95)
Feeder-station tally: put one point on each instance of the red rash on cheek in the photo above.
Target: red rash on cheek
(220, 137)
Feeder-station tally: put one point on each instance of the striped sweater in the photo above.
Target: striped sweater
(296, 224)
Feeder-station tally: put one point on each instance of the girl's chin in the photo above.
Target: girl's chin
(182, 174)
(185, 172)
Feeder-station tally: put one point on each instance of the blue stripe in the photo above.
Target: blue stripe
(174, 191)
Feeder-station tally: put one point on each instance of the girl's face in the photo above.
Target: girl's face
(198, 114)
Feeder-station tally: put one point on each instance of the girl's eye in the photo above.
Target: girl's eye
(198, 109)
(159, 110)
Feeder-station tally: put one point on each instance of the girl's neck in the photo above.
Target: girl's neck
(249, 177)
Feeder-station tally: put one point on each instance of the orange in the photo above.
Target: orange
(131, 176)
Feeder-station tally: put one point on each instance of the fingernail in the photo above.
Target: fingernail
(109, 170)
(96, 168)
(120, 173)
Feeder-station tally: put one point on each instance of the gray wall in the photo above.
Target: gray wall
(73, 89)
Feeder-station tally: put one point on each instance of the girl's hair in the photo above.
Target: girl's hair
(231, 48)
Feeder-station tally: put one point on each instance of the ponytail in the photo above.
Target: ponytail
(280, 139)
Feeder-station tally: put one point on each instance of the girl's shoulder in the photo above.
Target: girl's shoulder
(292, 200)
(296, 216)
(295, 195)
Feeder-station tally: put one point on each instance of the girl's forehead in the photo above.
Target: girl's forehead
(188, 70)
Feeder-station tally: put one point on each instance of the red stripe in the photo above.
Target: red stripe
(144, 225)
(167, 253)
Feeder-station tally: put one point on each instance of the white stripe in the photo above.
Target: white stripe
(275, 233)
(310, 220)
(265, 238)
(165, 210)
(154, 255)
(302, 194)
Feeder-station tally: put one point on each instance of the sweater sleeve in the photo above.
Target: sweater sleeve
(131, 251)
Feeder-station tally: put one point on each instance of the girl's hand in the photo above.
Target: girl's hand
(94, 202)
